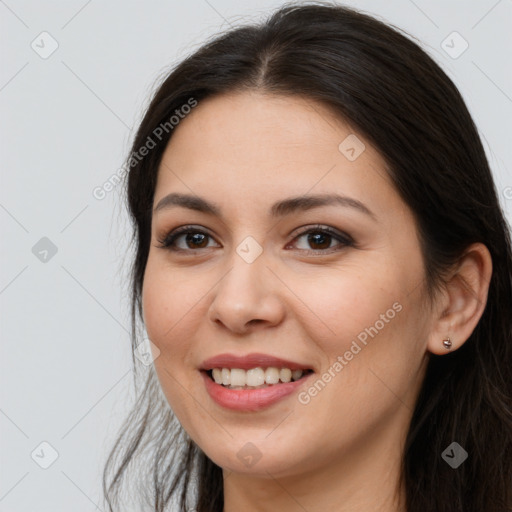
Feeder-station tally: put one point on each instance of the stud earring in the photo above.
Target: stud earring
(447, 343)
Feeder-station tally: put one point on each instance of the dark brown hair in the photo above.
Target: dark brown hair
(395, 95)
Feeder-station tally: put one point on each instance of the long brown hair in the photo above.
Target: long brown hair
(390, 90)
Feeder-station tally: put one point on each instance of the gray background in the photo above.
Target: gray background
(66, 125)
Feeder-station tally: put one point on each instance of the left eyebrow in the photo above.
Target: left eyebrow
(278, 209)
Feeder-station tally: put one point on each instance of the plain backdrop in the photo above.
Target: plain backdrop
(74, 81)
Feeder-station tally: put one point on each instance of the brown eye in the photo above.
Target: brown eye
(319, 240)
(194, 239)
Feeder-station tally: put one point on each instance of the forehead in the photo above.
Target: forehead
(263, 122)
(258, 146)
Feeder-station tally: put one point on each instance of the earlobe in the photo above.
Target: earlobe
(447, 343)
(463, 301)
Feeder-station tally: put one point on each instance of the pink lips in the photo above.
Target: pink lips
(250, 361)
(250, 399)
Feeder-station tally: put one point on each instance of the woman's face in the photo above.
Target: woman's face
(349, 304)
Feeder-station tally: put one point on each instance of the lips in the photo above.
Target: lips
(251, 400)
(257, 398)
(251, 361)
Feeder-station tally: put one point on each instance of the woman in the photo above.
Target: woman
(325, 274)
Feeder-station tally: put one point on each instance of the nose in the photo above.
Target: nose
(247, 297)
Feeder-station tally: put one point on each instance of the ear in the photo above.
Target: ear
(463, 300)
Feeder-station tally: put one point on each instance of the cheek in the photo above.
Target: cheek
(169, 302)
(169, 315)
(342, 303)
(368, 317)
(162, 312)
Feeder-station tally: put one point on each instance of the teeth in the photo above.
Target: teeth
(285, 375)
(296, 374)
(226, 376)
(253, 377)
(237, 378)
(271, 375)
(217, 375)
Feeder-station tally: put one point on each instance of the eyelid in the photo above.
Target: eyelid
(168, 239)
(170, 236)
(306, 228)
(344, 239)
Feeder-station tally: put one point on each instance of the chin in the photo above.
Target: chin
(253, 459)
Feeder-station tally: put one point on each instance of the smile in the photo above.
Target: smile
(252, 398)
(252, 382)
(254, 378)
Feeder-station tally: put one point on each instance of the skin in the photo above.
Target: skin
(342, 450)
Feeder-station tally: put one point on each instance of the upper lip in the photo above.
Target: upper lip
(250, 361)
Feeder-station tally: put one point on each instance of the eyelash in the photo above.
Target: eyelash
(168, 240)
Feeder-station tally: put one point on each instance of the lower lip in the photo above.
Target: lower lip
(250, 399)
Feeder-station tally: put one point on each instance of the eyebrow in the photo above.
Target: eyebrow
(279, 209)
